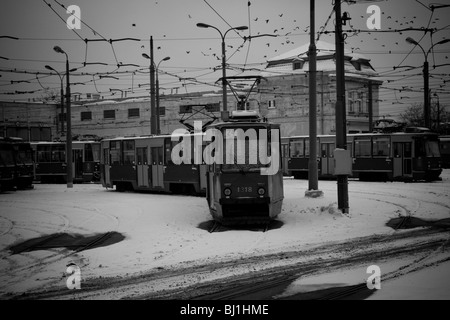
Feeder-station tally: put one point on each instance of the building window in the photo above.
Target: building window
(213, 107)
(86, 115)
(298, 65)
(109, 114)
(162, 111)
(133, 113)
(272, 104)
(185, 109)
(62, 117)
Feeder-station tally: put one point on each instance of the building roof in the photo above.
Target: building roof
(355, 62)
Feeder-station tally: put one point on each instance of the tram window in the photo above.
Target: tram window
(432, 148)
(168, 148)
(363, 148)
(296, 148)
(420, 148)
(407, 150)
(115, 152)
(157, 155)
(128, 152)
(43, 153)
(88, 156)
(106, 156)
(381, 147)
(445, 147)
(324, 151)
(306, 147)
(6, 157)
(58, 153)
(397, 150)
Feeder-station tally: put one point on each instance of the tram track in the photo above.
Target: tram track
(231, 279)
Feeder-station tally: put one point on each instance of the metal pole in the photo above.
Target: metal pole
(153, 125)
(69, 129)
(312, 164)
(370, 106)
(341, 121)
(62, 106)
(224, 79)
(426, 108)
(158, 128)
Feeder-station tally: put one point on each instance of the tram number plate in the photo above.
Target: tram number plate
(244, 189)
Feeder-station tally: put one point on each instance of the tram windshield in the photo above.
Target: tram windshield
(248, 150)
(6, 157)
(24, 154)
(432, 149)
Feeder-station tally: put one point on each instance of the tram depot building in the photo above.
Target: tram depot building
(281, 96)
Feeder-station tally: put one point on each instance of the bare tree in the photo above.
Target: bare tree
(413, 116)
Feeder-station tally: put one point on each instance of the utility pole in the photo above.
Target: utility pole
(153, 125)
(312, 163)
(370, 106)
(341, 119)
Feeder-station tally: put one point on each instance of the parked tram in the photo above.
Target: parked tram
(51, 164)
(145, 164)
(7, 165)
(376, 156)
(24, 163)
(444, 143)
(247, 186)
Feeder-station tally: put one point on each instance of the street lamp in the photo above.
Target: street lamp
(61, 93)
(153, 125)
(69, 122)
(426, 77)
(224, 80)
(158, 124)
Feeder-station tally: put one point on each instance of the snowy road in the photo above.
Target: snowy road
(168, 252)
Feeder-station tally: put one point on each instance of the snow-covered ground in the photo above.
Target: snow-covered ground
(164, 231)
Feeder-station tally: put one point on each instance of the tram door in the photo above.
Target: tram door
(402, 159)
(77, 163)
(106, 167)
(327, 155)
(157, 166)
(203, 177)
(142, 167)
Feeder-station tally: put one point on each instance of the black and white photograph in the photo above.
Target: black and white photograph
(225, 158)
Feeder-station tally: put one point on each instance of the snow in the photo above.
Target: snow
(165, 231)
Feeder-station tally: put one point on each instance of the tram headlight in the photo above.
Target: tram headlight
(227, 192)
(261, 191)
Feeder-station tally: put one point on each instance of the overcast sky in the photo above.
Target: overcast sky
(194, 52)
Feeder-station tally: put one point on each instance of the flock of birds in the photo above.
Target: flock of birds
(284, 31)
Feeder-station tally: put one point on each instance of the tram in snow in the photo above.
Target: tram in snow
(375, 156)
(444, 143)
(51, 164)
(24, 163)
(247, 185)
(7, 165)
(145, 164)
(16, 163)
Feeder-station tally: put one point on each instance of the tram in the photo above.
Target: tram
(245, 178)
(145, 164)
(444, 143)
(24, 163)
(51, 164)
(7, 165)
(375, 156)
